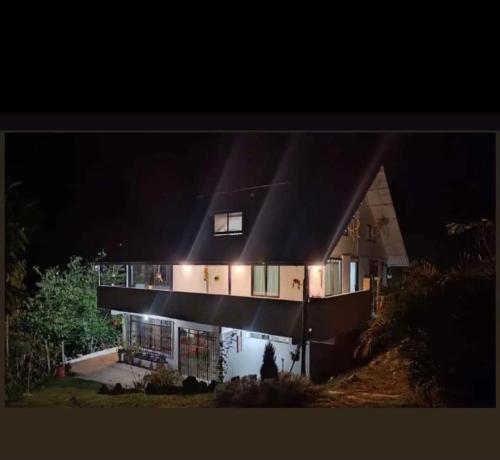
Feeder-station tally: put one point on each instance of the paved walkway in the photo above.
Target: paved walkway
(114, 373)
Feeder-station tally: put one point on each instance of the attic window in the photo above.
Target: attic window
(228, 223)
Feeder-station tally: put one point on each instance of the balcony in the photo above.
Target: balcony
(137, 288)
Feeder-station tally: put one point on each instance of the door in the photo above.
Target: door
(198, 353)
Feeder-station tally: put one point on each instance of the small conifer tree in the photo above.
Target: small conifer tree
(269, 369)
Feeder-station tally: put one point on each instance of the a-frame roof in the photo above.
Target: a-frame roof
(297, 193)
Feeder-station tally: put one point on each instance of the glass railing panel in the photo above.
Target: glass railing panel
(149, 276)
(113, 275)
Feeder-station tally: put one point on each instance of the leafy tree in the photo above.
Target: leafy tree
(16, 244)
(443, 322)
(269, 369)
(65, 309)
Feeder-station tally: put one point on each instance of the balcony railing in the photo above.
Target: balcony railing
(141, 276)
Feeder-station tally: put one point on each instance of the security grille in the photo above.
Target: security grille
(152, 334)
(198, 353)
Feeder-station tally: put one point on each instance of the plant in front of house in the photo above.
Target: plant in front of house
(269, 369)
(225, 346)
(442, 323)
(163, 377)
(288, 390)
(64, 310)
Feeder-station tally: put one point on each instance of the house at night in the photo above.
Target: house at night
(294, 256)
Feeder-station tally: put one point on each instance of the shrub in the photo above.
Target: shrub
(162, 376)
(288, 390)
(117, 390)
(154, 389)
(212, 386)
(269, 369)
(103, 390)
(190, 385)
(443, 322)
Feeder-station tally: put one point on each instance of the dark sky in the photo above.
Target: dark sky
(98, 190)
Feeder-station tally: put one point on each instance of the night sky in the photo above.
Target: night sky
(96, 191)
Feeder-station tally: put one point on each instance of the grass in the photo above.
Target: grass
(75, 392)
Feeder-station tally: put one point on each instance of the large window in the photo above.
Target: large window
(266, 280)
(228, 223)
(150, 276)
(333, 277)
(152, 334)
(198, 354)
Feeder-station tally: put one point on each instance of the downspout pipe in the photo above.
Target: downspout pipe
(305, 301)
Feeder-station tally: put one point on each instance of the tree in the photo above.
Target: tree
(18, 218)
(64, 309)
(269, 369)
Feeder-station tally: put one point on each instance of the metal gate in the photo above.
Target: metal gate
(198, 353)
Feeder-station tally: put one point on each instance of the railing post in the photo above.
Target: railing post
(305, 300)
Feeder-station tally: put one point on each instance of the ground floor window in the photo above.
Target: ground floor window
(152, 334)
(198, 353)
(333, 277)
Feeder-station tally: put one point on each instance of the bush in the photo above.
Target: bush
(190, 385)
(103, 390)
(162, 376)
(288, 390)
(443, 323)
(212, 386)
(269, 370)
(117, 390)
(154, 389)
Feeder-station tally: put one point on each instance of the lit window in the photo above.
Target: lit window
(266, 280)
(228, 223)
(353, 283)
(333, 277)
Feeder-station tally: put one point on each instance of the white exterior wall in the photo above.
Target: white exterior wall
(241, 280)
(249, 360)
(190, 278)
(289, 291)
(348, 249)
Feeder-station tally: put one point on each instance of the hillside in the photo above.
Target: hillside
(381, 383)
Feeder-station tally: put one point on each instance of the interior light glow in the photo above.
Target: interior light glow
(238, 269)
(186, 268)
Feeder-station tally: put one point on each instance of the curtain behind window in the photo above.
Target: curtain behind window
(259, 280)
(273, 280)
(333, 280)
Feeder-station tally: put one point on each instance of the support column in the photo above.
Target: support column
(305, 327)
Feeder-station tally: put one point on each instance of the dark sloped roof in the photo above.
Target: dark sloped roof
(297, 193)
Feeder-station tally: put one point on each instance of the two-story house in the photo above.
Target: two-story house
(295, 258)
